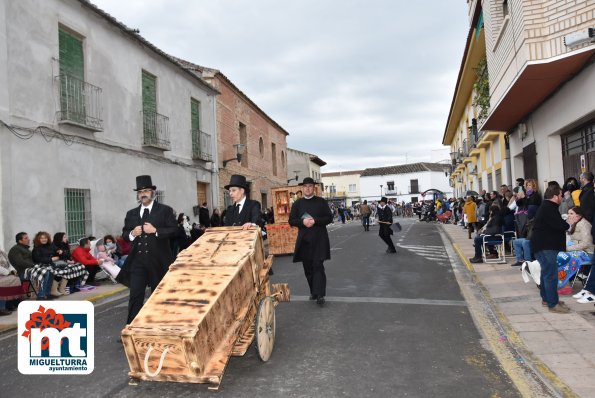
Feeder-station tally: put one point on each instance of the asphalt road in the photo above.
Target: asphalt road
(393, 326)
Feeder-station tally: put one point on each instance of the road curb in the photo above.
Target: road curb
(515, 341)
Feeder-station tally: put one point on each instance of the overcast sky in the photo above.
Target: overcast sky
(360, 83)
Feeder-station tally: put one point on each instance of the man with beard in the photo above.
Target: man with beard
(149, 227)
(311, 214)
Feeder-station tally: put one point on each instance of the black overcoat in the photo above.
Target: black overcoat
(250, 213)
(312, 243)
(150, 249)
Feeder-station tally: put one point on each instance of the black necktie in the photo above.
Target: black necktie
(145, 216)
(236, 214)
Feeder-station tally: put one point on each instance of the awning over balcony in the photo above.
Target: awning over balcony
(532, 86)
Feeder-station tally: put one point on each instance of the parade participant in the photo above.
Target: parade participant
(244, 212)
(149, 227)
(365, 211)
(385, 219)
(311, 214)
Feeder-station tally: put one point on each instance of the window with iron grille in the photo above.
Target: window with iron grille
(160, 196)
(77, 213)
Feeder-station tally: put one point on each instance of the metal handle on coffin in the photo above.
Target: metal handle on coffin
(153, 374)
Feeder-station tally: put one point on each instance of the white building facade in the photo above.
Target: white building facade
(342, 187)
(404, 183)
(301, 165)
(87, 105)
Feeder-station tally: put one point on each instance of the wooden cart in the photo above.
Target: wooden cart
(214, 300)
(281, 235)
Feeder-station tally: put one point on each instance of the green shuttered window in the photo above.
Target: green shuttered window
(77, 209)
(72, 76)
(195, 123)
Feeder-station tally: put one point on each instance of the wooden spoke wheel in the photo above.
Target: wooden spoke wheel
(265, 328)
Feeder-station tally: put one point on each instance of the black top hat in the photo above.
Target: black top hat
(237, 180)
(307, 180)
(383, 199)
(144, 182)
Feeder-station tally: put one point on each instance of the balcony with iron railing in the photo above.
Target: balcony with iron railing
(155, 130)
(413, 189)
(465, 148)
(80, 103)
(388, 191)
(201, 146)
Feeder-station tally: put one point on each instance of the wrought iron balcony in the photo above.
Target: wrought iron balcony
(390, 191)
(465, 148)
(155, 130)
(80, 103)
(201, 146)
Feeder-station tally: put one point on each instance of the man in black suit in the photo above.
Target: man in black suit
(311, 214)
(203, 216)
(149, 226)
(385, 219)
(244, 212)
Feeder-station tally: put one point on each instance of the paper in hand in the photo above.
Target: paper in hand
(306, 215)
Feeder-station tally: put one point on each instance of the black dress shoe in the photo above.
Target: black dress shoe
(392, 251)
(313, 297)
(320, 301)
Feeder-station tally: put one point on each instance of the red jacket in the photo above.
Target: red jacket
(83, 256)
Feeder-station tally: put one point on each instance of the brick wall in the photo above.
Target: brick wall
(233, 109)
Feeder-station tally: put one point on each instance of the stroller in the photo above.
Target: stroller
(444, 218)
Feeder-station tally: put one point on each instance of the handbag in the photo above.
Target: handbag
(396, 227)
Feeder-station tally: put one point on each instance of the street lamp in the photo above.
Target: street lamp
(239, 150)
(296, 176)
(381, 190)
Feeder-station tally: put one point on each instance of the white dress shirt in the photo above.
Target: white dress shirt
(142, 210)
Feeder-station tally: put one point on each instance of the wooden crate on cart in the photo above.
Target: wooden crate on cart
(281, 235)
(212, 303)
(281, 238)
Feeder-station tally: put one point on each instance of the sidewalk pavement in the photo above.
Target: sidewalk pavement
(564, 343)
(103, 290)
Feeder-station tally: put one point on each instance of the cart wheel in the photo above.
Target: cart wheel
(265, 328)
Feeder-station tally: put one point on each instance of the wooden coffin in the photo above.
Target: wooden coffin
(281, 238)
(203, 310)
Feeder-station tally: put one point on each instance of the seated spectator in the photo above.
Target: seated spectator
(492, 227)
(61, 247)
(22, 259)
(108, 265)
(507, 211)
(43, 253)
(578, 237)
(82, 254)
(11, 290)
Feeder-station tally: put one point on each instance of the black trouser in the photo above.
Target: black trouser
(385, 236)
(316, 277)
(139, 280)
(92, 270)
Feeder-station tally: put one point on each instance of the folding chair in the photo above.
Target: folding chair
(581, 274)
(509, 237)
(29, 289)
(498, 242)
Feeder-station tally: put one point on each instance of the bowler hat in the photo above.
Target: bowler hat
(307, 180)
(237, 180)
(383, 199)
(144, 182)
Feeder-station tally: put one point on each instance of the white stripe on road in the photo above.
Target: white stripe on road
(385, 300)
